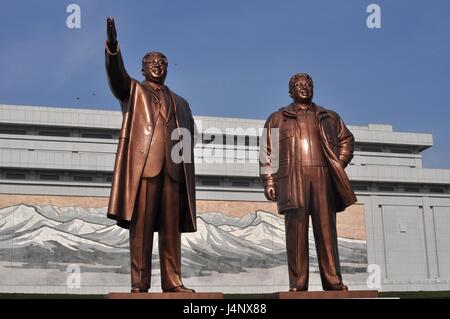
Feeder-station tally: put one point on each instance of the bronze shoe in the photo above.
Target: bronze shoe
(343, 287)
(339, 287)
(139, 288)
(181, 288)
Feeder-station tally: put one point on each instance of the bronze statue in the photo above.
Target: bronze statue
(151, 191)
(309, 179)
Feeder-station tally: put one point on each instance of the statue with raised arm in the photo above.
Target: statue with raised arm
(153, 187)
(304, 152)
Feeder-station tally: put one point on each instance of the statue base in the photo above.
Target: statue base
(358, 294)
(165, 295)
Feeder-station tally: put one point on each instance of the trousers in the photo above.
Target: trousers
(158, 209)
(316, 184)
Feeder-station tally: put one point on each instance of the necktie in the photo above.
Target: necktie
(162, 101)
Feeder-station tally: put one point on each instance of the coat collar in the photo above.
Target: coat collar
(291, 111)
(152, 87)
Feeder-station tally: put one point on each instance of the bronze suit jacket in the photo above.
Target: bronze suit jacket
(336, 142)
(140, 111)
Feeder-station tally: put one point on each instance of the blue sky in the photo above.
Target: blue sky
(234, 58)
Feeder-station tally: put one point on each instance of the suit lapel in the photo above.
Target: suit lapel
(153, 108)
(177, 112)
(173, 99)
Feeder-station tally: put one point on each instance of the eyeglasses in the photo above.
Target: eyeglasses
(302, 85)
(156, 62)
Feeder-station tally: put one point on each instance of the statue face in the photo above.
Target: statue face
(154, 68)
(302, 91)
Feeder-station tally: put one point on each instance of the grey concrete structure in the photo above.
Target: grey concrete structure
(70, 152)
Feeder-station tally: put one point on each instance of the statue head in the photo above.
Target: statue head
(301, 88)
(154, 67)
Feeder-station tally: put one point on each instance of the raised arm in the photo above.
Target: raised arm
(118, 78)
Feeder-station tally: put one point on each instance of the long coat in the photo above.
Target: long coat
(140, 108)
(337, 145)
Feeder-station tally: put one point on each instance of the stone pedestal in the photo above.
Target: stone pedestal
(165, 295)
(359, 294)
